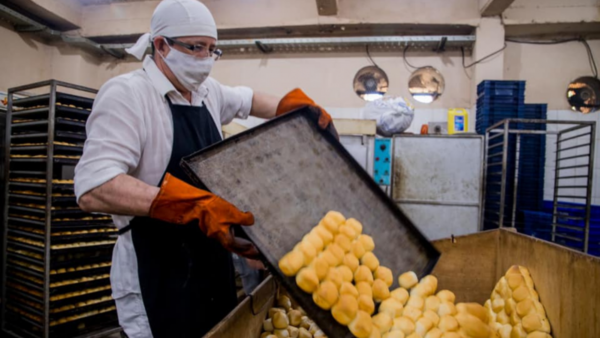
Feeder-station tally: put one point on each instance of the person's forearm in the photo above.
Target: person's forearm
(264, 105)
(123, 195)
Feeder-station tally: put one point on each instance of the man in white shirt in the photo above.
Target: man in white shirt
(172, 272)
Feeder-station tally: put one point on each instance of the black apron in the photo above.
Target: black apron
(187, 280)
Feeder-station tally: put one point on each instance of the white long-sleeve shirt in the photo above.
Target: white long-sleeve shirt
(130, 131)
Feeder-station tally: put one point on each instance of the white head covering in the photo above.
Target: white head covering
(175, 18)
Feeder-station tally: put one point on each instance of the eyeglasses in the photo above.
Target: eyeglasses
(197, 50)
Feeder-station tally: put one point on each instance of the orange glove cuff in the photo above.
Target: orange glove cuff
(297, 99)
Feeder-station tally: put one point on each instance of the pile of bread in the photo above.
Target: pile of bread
(336, 264)
(286, 321)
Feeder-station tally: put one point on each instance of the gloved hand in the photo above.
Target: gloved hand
(180, 203)
(297, 99)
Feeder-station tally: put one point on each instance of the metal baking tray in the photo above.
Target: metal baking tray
(60, 97)
(60, 111)
(290, 173)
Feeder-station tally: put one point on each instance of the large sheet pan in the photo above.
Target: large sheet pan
(290, 173)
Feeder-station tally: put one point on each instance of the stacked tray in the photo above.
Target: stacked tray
(57, 257)
(498, 100)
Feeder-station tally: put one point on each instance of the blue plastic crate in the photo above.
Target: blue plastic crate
(504, 100)
(501, 88)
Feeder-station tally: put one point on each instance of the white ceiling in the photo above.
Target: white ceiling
(103, 2)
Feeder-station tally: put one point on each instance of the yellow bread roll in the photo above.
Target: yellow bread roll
(532, 322)
(362, 325)
(400, 294)
(367, 242)
(473, 309)
(349, 289)
(366, 304)
(333, 275)
(345, 310)
(303, 333)
(431, 282)
(358, 249)
(451, 335)
(358, 227)
(293, 331)
(534, 294)
(472, 325)
(326, 295)
(414, 335)
(545, 325)
(503, 289)
(332, 221)
(305, 322)
(423, 325)
(364, 288)
(416, 302)
(295, 317)
(392, 307)
(363, 274)
(268, 325)
(505, 330)
(370, 260)
(498, 305)
(448, 323)
(315, 241)
(525, 307)
(408, 279)
(538, 334)
(434, 333)
(446, 308)
(266, 335)
(313, 328)
(307, 280)
(320, 266)
(393, 334)
(381, 291)
(351, 262)
(521, 293)
(284, 301)
(528, 281)
(490, 312)
(404, 324)
(344, 242)
(435, 319)
(319, 334)
(345, 273)
(502, 318)
(324, 234)
(514, 281)
(375, 333)
(513, 270)
(283, 333)
(421, 290)
(291, 263)
(385, 274)
(383, 322)
(330, 258)
(411, 313)
(518, 332)
(446, 296)
(539, 308)
(348, 231)
(275, 309)
(337, 251)
(432, 303)
(308, 251)
(510, 306)
(280, 321)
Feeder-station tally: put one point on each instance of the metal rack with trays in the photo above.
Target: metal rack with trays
(56, 256)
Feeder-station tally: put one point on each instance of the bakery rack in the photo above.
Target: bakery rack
(56, 257)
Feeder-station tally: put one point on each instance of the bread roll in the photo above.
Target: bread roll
(348, 289)
(370, 260)
(435, 319)
(345, 310)
(364, 288)
(510, 306)
(416, 302)
(351, 262)
(521, 293)
(303, 333)
(283, 333)
(348, 231)
(330, 258)
(381, 291)
(363, 274)
(358, 249)
(404, 324)
(451, 335)
(315, 240)
(355, 224)
(515, 280)
(343, 241)
(498, 305)
(366, 304)
(333, 275)
(400, 294)
(362, 325)
(505, 330)
(367, 242)
(431, 282)
(319, 334)
(332, 221)
(392, 307)
(414, 335)
(393, 334)
(434, 333)
(525, 307)
(383, 322)
(307, 280)
(273, 310)
(538, 334)
(412, 313)
(326, 295)
(320, 266)
(421, 290)
(284, 302)
(446, 296)
(308, 251)
(473, 309)
(472, 325)
(324, 234)
(502, 318)
(295, 317)
(423, 325)
(518, 332)
(448, 323)
(375, 333)
(266, 335)
(268, 325)
(408, 279)
(385, 274)
(280, 321)
(446, 308)
(345, 273)
(532, 322)
(337, 251)
(291, 263)
(432, 303)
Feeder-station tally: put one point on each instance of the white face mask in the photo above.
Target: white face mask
(191, 71)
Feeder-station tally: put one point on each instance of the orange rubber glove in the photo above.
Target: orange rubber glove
(297, 99)
(180, 203)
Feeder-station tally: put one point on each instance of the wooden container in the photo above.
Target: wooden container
(567, 281)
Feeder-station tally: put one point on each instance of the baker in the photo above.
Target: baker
(172, 272)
